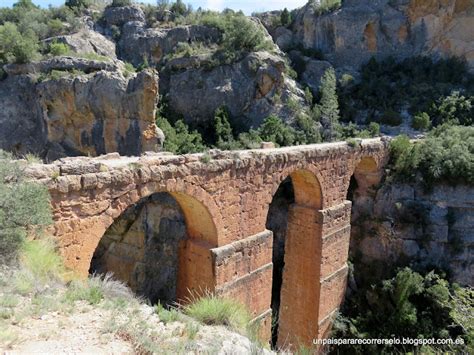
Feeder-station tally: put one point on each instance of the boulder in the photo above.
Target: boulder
(314, 71)
(119, 16)
(283, 38)
(85, 42)
(251, 89)
(154, 44)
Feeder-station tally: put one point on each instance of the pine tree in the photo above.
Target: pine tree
(285, 17)
(329, 107)
(222, 127)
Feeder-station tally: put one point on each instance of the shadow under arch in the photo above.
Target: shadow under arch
(365, 177)
(293, 217)
(160, 246)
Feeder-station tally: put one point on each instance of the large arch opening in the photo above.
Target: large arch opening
(296, 233)
(160, 247)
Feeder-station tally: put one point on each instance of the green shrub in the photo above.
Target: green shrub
(447, 154)
(16, 47)
(239, 35)
(374, 129)
(404, 157)
(421, 121)
(77, 4)
(24, 208)
(129, 69)
(325, 6)
(391, 118)
(167, 315)
(250, 139)
(56, 27)
(120, 3)
(178, 137)
(57, 49)
(223, 130)
(275, 130)
(80, 290)
(214, 310)
(408, 305)
(308, 130)
(417, 83)
(328, 108)
(42, 260)
(179, 8)
(455, 109)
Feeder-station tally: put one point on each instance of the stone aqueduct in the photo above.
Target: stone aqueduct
(225, 201)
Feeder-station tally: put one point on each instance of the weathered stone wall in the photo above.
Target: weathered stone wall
(400, 224)
(225, 203)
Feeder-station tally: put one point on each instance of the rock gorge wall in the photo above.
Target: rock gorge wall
(88, 108)
(361, 29)
(403, 224)
(197, 84)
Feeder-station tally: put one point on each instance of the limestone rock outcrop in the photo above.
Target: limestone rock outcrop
(195, 86)
(138, 43)
(92, 112)
(251, 89)
(403, 223)
(86, 42)
(118, 16)
(361, 29)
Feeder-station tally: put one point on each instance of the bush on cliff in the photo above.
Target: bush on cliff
(408, 305)
(240, 34)
(24, 208)
(179, 139)
(447, 154)
(16, 47)
(417, 83)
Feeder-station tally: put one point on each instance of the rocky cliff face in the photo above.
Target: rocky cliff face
(402, 224)
(251, 89)
(361, 29)
(195, 86)
(84, 108)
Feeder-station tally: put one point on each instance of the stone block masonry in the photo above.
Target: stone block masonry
(225, 203)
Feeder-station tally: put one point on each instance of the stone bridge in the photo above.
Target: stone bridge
(225, 199)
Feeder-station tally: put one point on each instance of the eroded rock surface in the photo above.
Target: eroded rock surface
(78, 113)
(403, 223)
(86, 42)
(402, 28)
(251, 89)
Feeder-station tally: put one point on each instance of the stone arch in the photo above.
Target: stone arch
(303, 179)
(366, 174)
(299, 288)
(194, 261)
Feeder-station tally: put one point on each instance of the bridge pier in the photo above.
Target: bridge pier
(314, 278)
(243, 271)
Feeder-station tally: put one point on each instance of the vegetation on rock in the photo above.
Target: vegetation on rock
(24, 208)
(447, 154)
(409, 305)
